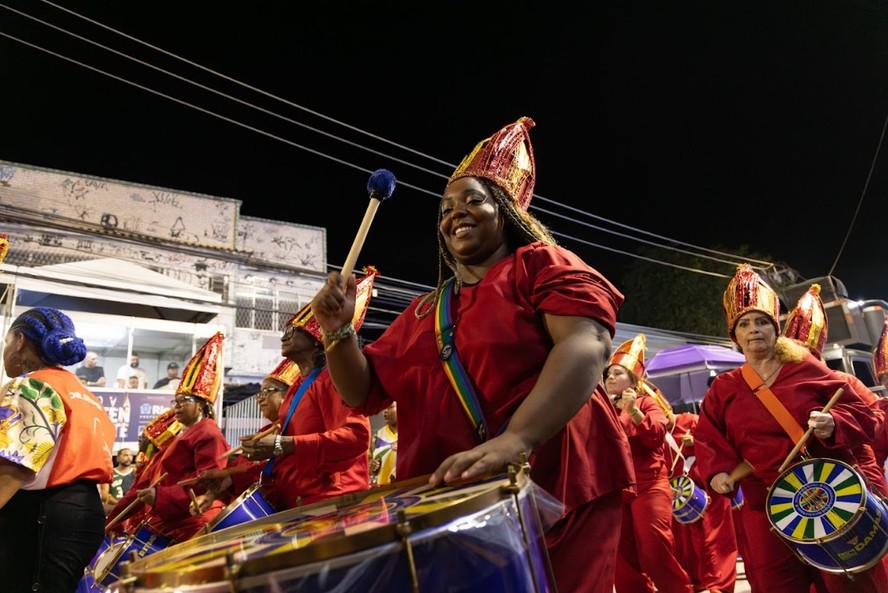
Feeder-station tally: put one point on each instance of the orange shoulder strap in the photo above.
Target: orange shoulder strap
(767, 397)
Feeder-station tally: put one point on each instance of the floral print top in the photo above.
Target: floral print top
(32, 415)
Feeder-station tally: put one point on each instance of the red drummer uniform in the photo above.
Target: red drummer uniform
(867, 463)
(735, 425)
(647, 547)
(193, 451)
(706, 548)
(503, 348)
(331, 443)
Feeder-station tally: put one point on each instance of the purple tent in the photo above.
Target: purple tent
(682, 372)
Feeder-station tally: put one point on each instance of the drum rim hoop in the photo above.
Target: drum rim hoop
(335, 546)
(840, 531)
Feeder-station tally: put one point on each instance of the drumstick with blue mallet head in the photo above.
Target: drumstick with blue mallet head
(381, 185)
(805, 437)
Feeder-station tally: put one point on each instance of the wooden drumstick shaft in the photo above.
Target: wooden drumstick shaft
(677, 457)
(262, 433)
(132, 505)
(194, 500)
(743, 469)
(352, 258)
(807, 436)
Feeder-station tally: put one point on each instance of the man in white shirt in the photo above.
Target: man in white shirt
(127, 371)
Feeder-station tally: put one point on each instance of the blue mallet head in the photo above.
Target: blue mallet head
(381, 184)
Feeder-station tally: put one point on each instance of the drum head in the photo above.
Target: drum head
(682, 491)
(816, 499)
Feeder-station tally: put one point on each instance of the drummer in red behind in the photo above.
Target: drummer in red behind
(880, 367)
(808, 324)
(198, 447)
(321, 450)
(647, 548)
(737, 430)
(707, 547)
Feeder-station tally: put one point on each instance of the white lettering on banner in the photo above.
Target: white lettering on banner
(87, 398)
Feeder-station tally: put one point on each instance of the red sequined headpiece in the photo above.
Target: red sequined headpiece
(630, 354)
(506, 158)
(202, 376)
(807, 323)
(748, 292)
(306, 321)
(880, 354)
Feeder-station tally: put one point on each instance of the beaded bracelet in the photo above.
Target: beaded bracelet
(343, 333)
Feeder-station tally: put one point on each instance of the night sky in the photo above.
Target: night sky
(754, 124)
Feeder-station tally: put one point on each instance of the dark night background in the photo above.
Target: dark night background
(713, 124)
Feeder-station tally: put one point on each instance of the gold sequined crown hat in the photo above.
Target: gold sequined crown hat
(807, 322)
(880, 354)
(306, 321)
(506, 158)
(163, 428)
(286, 372)
(202, 376)
(4, 247)
(748, 292)
(630, 354)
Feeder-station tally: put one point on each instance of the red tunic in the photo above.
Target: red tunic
(880, 443)
(330, 456)
(734, 425)
(193, 451)
(866, 457)
(647, 547)
(707, 548)
(503, 345)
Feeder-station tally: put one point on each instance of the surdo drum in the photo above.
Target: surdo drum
(250, 505)
(105, 566)
(824, 509)
(689, 501)
(404, 537)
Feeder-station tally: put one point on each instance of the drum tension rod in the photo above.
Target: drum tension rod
(232, 569)
(404, 529)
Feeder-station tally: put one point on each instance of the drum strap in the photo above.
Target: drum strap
(777, 409)
(453, 367)
(293, 403)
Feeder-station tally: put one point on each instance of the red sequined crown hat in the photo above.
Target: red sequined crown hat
(506, 158)
(163, 428)
(305, 319)
(748, 292)
(286, 372)
(807, 322)
(880, 354)
(202, 376)
(630, 354)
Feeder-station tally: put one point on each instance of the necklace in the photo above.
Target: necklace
(774, 372)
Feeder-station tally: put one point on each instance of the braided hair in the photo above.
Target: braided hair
(521, 228)
(53, 333)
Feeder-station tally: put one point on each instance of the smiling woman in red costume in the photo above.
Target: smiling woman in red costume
(530, 332)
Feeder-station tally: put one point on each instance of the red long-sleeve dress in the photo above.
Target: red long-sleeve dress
(502, 342)
(735, 425)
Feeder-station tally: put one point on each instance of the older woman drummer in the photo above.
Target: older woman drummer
(745, 417)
